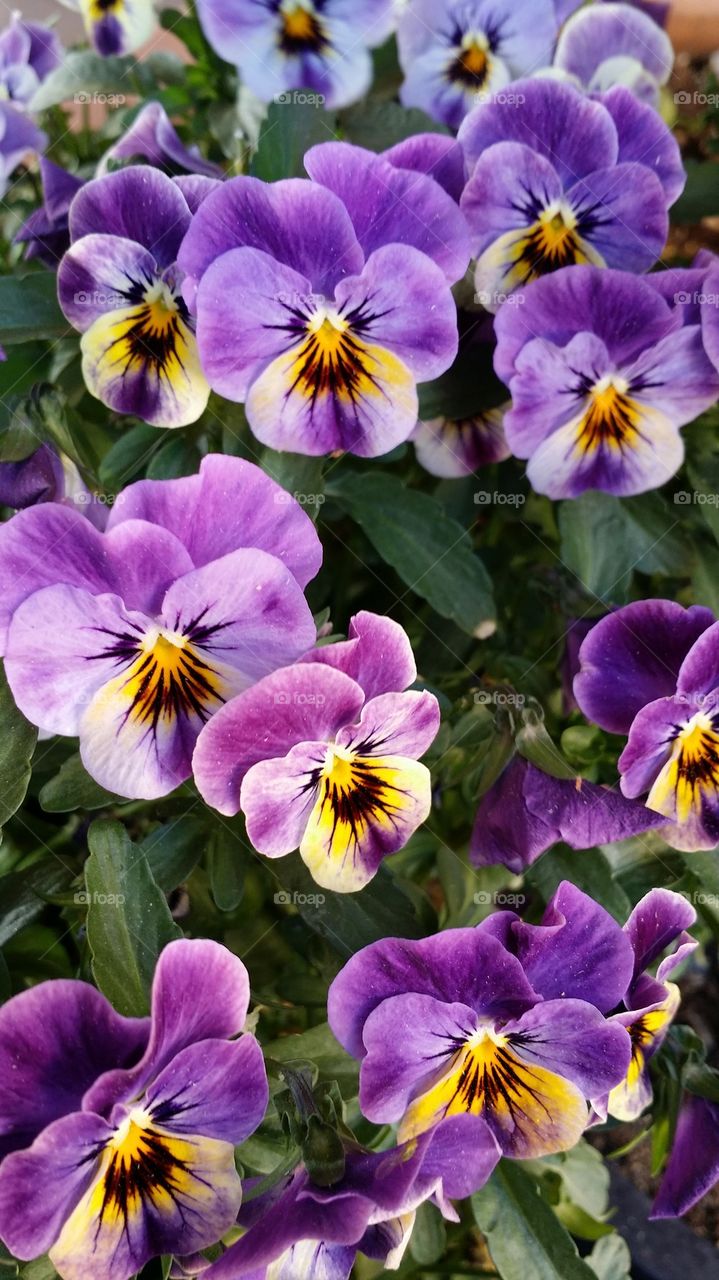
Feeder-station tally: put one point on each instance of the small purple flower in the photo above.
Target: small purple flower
(119, 285)
(693, 1167)
(117, 26)
(557, 179)
(526, 811)
(616, 44)
(28, 53)
(501, 1021)
(298, 314)
(45, 477)
(193, 593)
(452, 447)
(324, 756)
(46, 232)
(320, 45)
(300, 1229)
(152, 137)
(603, 374)
(19, 139)
(456, 53)
(119, 1133)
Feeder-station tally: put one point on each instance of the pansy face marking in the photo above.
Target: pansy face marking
(693, 769)
(354, 792)
(301, 30)
(612, 420)
(140, 1163)
(554, 236)
(471, 67)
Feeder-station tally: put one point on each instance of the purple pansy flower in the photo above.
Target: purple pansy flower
(193, 593)
(324, 756)
(300, 1229)
(120, 1132)
(46, 477)
(456, 53)
(28, 53)
(19, 138)
(526, 811)
(501, 1021)
(615, 44)
(119, 285)
(557, 179)
(321, 45)
(116, 26)
(693, 1167)
(603, 374)
(435, 155)
(153, 138)
(298, 315)
(46, 233)
(650, 670)
(452, 447)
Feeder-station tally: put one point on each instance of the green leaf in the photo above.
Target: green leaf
(128, 920)
(349, 921)
(17, 743)
(73, 788)
(23, 894)
(590, 872)
(604, 540)
(177, 457)
(699, 198)
(523, 1234)
(174, 849)
(29, 308)
(40, 1269)
(299, 476)
(227, 862)
(319, 1047)
(429, 1235)
(610, 1259)
(431, 552)
(293, 125)
(379, 125)
(129, 456)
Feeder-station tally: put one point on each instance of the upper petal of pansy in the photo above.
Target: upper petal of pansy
(120, 27)
(195, 187)
(100, 274)
(628, 233)
(200, 991)
(658, 920)
(578, 950)
(509, 187)
(299, 704)
(396, 724)
(137, 203)
(390, 205)
(146, 559)
(632, 657)
(644, 138)
(55, 1040)
(693, 1166)
(699, 672)
(377, 654)
(296, 222)
(248, 508)
(675, 376)
(458, 965)
(576, 135)
(435, 154)
(216, 1087)
(613, 30)
(153, 137)
(222, 627)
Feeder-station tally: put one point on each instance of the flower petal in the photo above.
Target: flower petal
(137, 203)
(377, 655)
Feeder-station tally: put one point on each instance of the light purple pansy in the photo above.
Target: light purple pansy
(19, 139)
(116, 26)
(301, 1229)
(693, 1167)
(152, 137)
(120, 1132)
(615, 44)
(280, 45)
(29, 51)
(324, 756)
(158, 621)
(603, 374)
(526, 812)
(452, 447)
(119, 286)
(453, 1025)
(557, 179)
(298, 316)
(456, 53)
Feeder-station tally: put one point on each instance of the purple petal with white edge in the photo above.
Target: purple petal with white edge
(623, 311)
(217, 1088)
(507, 183)
(554, 120)
(435, 154)
(255, 512)
(277, 798)
(454, 447)
(55, 1039)
(396, 724)
(628, 233)
(578, 951)
(137, 203)
(393, 206)
(613, 30)
(299, 704)
(710, 316)
(195, 187)
(200, 991)
(122, 29)
(462, 966)
(377, 654)
(40, 1187)
(101, 274)
(295, 221)
(657, 920)
(59, 653)
(153, 137)
(632, 657)
(526, 811)
(645, 139)
(693, 1167)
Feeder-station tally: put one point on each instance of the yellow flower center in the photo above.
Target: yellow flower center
(611, 420)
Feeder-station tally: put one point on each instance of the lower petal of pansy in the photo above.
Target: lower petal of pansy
(118, 26)
(647, 1028)
(143, 360)
(518, 257)
(366, 808)
(454, 447)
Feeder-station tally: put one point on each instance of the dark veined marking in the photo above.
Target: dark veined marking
(471, 67)
(331, 361)
(698, 759)
(354, 793)
(143, 1165)
(301, 31)
(611, 421)
(550, 243)
(151, 336)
